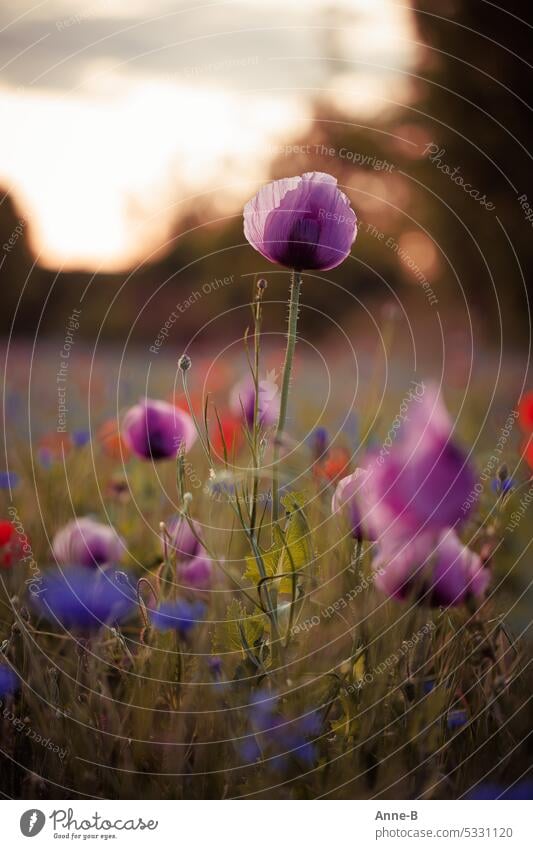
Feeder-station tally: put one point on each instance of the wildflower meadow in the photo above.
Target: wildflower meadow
(250, 575)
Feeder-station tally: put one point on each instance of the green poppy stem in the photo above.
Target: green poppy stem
(294, 303)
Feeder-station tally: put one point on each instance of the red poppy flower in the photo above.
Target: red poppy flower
(6, 532)
(11, 545)
(525, 412)
(335, 466)
(55, 445)
(111, 441)
(527, 451)
(232, 433)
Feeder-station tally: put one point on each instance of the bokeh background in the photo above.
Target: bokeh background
(132, 133)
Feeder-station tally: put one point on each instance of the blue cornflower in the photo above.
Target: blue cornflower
(9, 480)
(83, 598)
(263, 711)
(81, 437)
(9, 682)
(502, 487)
(249, 751)
(319, 440)
(283, 739)
(215, 666)
(492, 790)
(180, 616)
(457, 718)
(46, 458)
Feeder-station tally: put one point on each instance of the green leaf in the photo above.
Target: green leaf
(292, 550)
(238, 630)
(294, 500)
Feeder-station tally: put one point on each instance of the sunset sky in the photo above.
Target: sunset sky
(115, 114)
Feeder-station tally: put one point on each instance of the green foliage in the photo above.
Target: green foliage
(292, 550)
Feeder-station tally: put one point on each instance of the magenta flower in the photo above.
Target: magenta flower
(243, 399)
(350, 498)
(183, 543)
(301, 222)
(425, 480)
(155, 430)
(193, 565)
(196, 573)
(442, 571)
(85, 542)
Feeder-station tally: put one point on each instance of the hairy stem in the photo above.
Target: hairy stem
(294, 302)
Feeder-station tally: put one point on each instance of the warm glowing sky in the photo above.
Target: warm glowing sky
(115, 112)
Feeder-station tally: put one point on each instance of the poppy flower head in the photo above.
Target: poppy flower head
(525, 412)
(155, 430)
(12, 545)
(86, 542)
(301, 222)
(242, 400)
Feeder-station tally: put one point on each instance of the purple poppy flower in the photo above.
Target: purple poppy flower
(196, 573)
(443, 571)
(350, 497)
(82, 598)
(85, 542)
(180, 616)
(194, 567)
(155, 430)
(301, 222)
(9, 681)
(425, 481)
(243, 399)
(183, 542)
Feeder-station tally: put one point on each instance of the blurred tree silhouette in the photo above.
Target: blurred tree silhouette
(468, 115)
